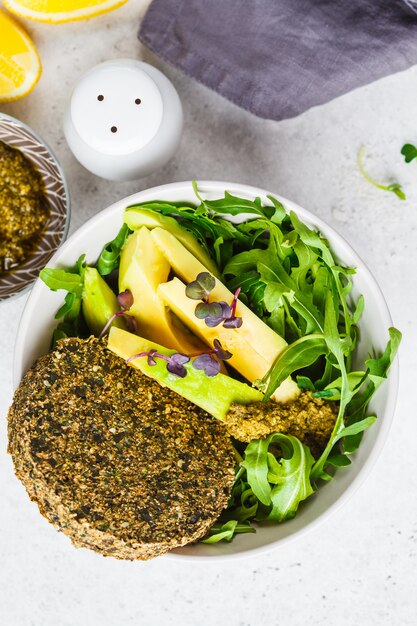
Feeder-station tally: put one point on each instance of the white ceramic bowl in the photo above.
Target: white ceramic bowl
(37, 322)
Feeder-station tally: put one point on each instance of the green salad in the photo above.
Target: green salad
(237, 302)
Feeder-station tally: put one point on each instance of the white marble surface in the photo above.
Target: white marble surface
(359, 567)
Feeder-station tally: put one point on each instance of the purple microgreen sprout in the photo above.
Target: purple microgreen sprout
(213, 313)
(175, 362)
(234, 303)
(130, 323)
(216, 319)
(206, 309)
(199, 289)
(151, 354)
(233, 321)
(125, 299)
(221, 354)
(208, 363)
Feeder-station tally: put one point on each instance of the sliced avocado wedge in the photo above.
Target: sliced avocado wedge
(136, 218)
(142, 268)
(99, 302)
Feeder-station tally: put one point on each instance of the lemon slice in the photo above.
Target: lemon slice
(54, 11)
(20, 66)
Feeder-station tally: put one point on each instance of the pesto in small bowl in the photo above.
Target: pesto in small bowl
(34, 206)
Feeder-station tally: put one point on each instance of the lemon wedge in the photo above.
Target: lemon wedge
(54, 11)
(20, 66)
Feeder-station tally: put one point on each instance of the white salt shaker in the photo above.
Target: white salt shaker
(124, 119)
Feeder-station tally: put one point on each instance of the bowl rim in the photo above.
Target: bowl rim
(206, 186)
(61, 173)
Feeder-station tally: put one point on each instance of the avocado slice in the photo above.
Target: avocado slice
(142, 268)
(136, 218)
(214, 395)
(261, 337)
(99, 302)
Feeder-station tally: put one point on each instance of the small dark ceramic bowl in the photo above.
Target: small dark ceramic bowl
(17, 135)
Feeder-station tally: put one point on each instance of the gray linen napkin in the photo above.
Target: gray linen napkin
(278, 58)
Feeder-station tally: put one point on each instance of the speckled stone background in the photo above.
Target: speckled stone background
(357, 568)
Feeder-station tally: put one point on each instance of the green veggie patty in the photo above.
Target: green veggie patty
(118, 463)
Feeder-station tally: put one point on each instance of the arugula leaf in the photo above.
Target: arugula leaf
(393, 187)
(71, 307)
(276, 273)
(338, 460)
(355, 407)
(58, 333)
(256, 466)
(357, 313)
(60, 279)
(336, 346)
(226, 531)
(409, 152)
(321, 285)
(164, 207)
(290, 476)
(109, 258)
(229, 205)
(305, 383)
(72, 281)
(332, 390)
(377, 372)
(298, 355)
(279, 212)
(279, 484)
(397, 190)
(378, 368)
(252, 290)
(274, 295)
(312, 239)
(248, 506)
(303, 304)
(355, 428)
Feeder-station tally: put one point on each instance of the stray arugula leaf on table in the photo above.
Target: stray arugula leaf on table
(409, 152)
(392, 187)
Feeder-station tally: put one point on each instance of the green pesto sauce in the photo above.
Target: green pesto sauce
(24, 209)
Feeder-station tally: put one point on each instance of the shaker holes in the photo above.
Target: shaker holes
(113, 129)
(138, 101)
(100, 98)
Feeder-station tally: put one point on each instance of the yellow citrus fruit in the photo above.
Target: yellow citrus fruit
(54, 11)
(20, 66)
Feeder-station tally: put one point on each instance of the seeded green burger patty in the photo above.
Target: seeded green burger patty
(118, 463)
